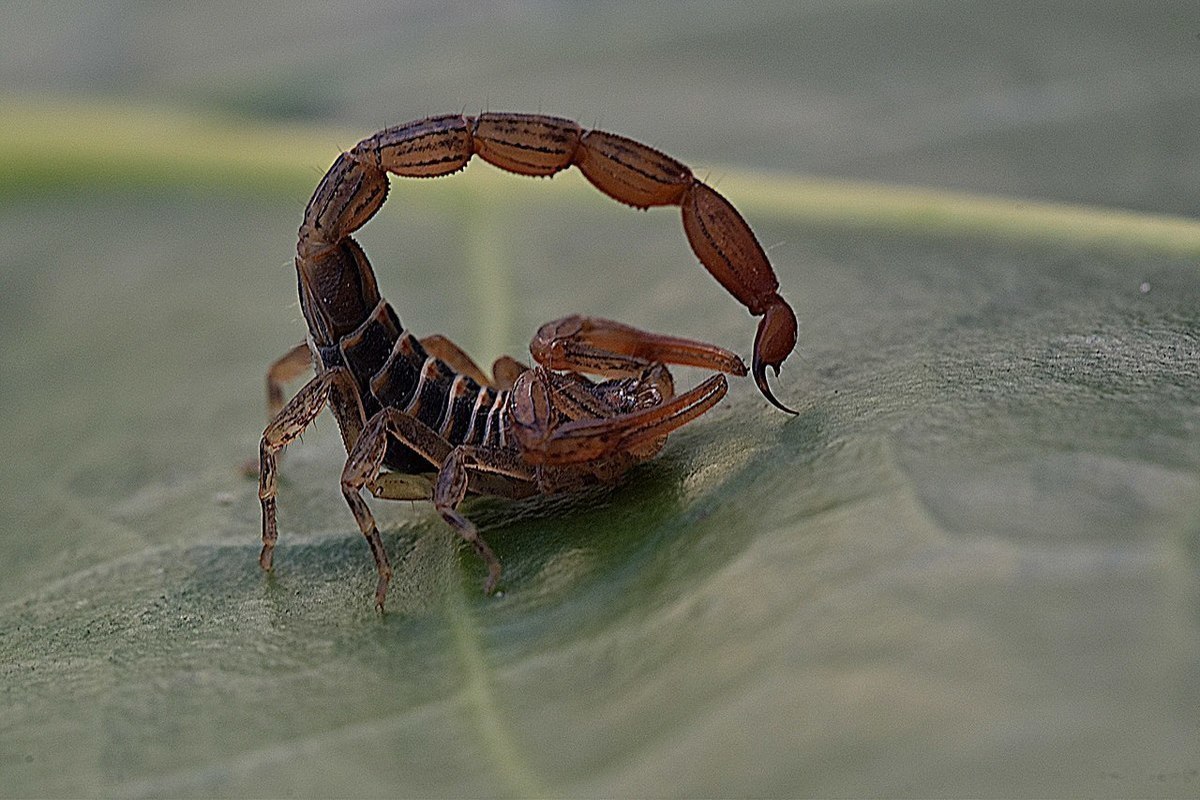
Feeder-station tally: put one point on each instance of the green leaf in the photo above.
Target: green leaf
(967, 567)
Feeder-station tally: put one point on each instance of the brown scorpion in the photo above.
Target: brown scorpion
(422, 409)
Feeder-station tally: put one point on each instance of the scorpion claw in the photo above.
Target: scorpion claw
(773, 342)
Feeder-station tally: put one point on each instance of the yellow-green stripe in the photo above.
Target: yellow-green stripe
(47, 144)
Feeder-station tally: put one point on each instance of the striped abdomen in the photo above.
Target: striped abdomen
(393, 370)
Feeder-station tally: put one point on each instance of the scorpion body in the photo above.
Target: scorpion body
(419, 419)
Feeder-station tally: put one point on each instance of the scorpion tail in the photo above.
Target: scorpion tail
(731, 253)
(773, 342)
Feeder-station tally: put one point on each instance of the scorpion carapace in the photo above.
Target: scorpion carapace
(419, 419)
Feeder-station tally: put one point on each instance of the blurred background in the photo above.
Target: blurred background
(968, 567)
(1088, 101)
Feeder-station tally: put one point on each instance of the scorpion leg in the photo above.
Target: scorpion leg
(439, 346)
(586, 440)
(453, 480)
(399, 486)
(504, 371)
(454, 463)
(285, 369)
(363, 467)
(288, 424)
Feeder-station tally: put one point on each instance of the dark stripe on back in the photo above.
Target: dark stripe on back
(493, 432)
(480, 407)
(433, 391)
(366, 349)
(457, 416)
(396, 381)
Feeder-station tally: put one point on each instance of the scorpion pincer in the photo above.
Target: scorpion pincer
(419, 419)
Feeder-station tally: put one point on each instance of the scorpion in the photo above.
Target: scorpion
(419, 419)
